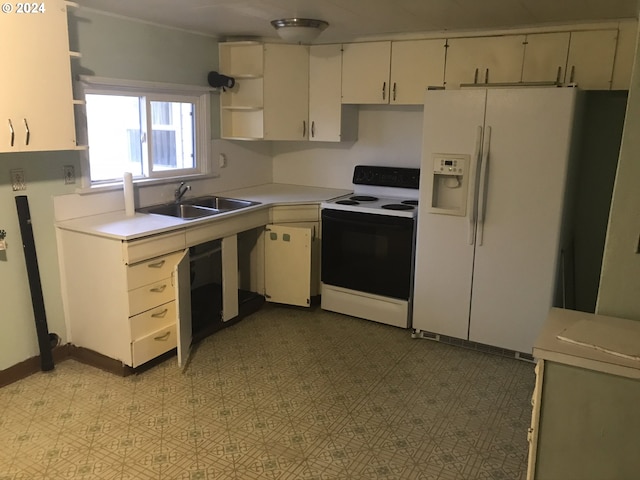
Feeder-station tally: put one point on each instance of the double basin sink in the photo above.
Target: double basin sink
(198, 207)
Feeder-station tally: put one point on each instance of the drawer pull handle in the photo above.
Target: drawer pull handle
(159, 264)
(27, 131)
(159, 289)
(162, 338)
(12, 132)
(160, 314)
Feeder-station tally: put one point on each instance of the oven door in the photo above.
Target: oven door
(368, 252)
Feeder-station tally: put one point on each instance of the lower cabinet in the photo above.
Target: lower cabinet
(287, 268)
(584, 425)
(131, 311)
(134, 300)
(292, 255)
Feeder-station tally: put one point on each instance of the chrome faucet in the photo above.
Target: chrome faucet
(180, 191)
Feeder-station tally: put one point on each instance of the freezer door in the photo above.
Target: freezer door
(515, 266)
(453, 122)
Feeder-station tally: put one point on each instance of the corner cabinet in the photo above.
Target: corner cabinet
(269, 100)
(292, 245)
(36, 99)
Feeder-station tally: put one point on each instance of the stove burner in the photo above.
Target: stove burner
(363, 198)
(396, 206)
(413, 203)
(347, 202)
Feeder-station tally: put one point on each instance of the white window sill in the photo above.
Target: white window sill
(143, 182)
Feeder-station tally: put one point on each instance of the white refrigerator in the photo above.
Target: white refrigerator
(493, 191)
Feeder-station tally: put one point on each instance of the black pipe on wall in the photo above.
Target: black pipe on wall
(33, 272)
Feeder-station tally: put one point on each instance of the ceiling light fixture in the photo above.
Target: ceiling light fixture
(299, 30)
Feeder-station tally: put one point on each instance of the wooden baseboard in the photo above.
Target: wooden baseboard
(31, 365)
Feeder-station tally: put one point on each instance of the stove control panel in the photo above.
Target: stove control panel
(399, 177)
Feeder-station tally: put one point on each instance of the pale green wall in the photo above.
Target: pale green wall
(110, 47)
(600, 145)
(619, 294)
(43, 173)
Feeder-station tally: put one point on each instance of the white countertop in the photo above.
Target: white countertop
(561, 322)
(119, 226)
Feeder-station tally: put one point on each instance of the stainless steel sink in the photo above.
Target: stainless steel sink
(198, 207)
(180, 210)
(220, 203)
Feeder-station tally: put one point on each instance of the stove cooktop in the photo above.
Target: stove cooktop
(381, 205)
(381, 190)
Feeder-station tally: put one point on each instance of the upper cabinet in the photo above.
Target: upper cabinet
(545, 57)
(365, 72)
(270, 98)
(415, 66)
(286, 92)
(329, 119)
(36, 99)
(591, 57)
(396, 72)
(481, 60)
(296, 92)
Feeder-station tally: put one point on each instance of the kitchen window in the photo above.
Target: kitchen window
(153, 131)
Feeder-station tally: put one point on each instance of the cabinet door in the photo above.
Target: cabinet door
(330, 121)
(415, 65)
(230, 307)
(365, 72)
(545, 57)
(484, 60)
(286, 92)
(288, 265)
(590, 60)
(625, 55)
(36, 100)
(182, 284)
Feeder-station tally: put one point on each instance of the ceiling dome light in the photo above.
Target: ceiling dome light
(299, 30)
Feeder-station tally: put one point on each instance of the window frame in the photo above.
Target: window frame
(153, 91)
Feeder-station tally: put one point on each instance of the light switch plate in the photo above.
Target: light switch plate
(69, 175)
(17, 180)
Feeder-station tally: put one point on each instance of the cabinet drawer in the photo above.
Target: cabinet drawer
(148, 247)
(151, 270)
(149, 321)
(295, 213)
(154, 344)
(144, 298)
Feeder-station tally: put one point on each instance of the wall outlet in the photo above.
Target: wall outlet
(17, 180)
(69, 175)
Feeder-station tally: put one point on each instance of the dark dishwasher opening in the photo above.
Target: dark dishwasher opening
(206, 292)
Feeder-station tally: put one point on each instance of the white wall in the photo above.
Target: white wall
(387, 135)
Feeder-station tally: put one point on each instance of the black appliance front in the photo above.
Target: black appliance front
(368, 252)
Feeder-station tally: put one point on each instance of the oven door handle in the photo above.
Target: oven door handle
(349, 221)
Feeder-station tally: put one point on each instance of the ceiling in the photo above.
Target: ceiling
(354, 19)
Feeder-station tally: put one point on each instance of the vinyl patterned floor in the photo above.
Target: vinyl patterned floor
(284, 394)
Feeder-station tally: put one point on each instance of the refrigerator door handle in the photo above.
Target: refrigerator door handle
(484, 172)
(472, 201)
